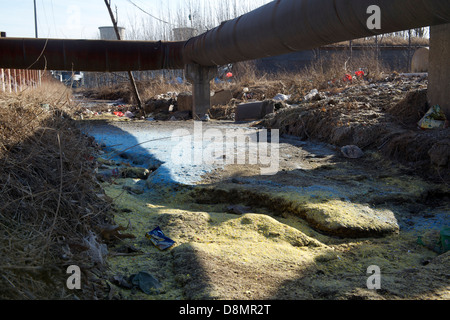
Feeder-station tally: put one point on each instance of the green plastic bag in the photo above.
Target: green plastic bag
(444, 240)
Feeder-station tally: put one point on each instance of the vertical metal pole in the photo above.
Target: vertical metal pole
(35, 20)
(130, 74)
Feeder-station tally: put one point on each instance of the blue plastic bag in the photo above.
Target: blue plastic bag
(157, 237)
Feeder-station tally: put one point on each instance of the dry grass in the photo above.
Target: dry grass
(322, 74)
(325, 73)
(147, 90)
(49, 201)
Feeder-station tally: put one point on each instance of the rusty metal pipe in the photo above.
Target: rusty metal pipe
(280, 27)
(285, 26)
(90, 55)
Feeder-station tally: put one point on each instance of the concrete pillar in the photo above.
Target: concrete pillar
(439, 68)
(201, 89)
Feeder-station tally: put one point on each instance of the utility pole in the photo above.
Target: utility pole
(35, 20)
(130, 75)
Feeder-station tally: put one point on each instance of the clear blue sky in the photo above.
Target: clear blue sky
(68, 18)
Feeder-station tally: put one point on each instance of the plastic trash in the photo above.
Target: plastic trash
(347, 78)
(142, 280)
(118, 113)
(146, 282)
(281, 97)
(129, 114)
(434, 119)
(311, 94)
(444, 240)
(359, 74)
(157, 237)
(97, 251)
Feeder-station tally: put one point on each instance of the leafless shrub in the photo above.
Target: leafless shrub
(49, 199)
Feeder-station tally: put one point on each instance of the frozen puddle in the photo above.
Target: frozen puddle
(178, 149)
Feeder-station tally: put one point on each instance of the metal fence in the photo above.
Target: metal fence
(16, 80)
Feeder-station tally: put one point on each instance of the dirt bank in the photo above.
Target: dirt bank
(381, 116)
(308, 232)
(311, 230)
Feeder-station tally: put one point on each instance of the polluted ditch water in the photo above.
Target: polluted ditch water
(211, 230)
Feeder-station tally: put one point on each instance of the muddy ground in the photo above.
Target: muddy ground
(310, 231)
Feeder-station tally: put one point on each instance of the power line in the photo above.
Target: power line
(148, 13)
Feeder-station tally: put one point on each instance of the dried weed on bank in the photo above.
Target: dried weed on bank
(49, 201)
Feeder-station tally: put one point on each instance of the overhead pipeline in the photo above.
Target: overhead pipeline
(285, 26)
(90, 55)
(280, 27)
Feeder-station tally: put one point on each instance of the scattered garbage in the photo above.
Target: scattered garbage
(359, 74)
(281, 97)
(347, 78)
(129, 114)
(142, 280)
(311, 95)
(434, 119)
(444, 240)
(246, 93)
(352, 152)
(135, 172)
(146, 282)
(441, 246)
(157, 237)
(97, 251)
(118, 113)
(205, 118)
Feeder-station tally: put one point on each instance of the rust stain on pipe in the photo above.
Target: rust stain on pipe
(90, 55)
